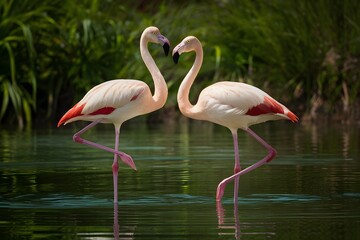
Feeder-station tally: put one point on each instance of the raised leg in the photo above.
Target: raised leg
(266, 159)
(127, 159)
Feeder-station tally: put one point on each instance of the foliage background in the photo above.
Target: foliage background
(304, 53)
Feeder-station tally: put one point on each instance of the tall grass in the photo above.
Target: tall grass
(84, 49)
(18, 82)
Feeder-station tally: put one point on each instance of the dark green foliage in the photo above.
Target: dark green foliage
(311, 48)
(52, 52)
(18, 81)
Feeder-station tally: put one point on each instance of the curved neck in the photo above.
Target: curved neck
(161, 91)
(184, 89)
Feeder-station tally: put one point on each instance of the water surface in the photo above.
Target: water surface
(52, 188)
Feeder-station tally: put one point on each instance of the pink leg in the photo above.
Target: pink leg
(115, 166)
(127, 159)
(268, 158)
(237, 167)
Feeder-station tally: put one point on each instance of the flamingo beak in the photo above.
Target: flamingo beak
(165, 43)
(166, 47)
(176, 52)
(176, 57)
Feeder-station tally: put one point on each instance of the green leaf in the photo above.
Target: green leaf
(12, 62)
(5, 101)
(27, 111)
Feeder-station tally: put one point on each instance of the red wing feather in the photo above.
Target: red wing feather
(75, 111)
(268, 106)
(104, 110)
(292, 117)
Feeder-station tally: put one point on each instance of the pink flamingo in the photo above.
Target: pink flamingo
(119, 100)
(231, 104)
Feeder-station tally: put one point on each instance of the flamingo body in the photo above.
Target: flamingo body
(238, 105)
(113, 101)
(231, 104)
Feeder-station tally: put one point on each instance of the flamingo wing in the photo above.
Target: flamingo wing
(105, 98)
(241, 99)
(235, 97)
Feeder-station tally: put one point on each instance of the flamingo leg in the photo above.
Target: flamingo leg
(237, 167)
(127, 159)
(115, 166)
(266, 159)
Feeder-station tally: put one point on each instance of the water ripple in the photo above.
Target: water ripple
(59, 201)
(275, 198)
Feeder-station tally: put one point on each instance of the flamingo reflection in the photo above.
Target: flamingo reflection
(126, 234)
(221, 220)
(226, 223)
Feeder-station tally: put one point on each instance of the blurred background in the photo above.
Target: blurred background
(303, 53)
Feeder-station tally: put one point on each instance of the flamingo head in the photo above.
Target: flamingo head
(153, 35)
(188, 44)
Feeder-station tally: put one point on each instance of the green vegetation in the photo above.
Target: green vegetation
(53, 51)
(310, 47)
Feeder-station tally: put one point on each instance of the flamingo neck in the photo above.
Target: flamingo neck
(185, 105)
(161, 91)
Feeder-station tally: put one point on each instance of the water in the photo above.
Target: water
(53, 188)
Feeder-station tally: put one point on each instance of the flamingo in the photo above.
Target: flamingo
(231, 104)
(116, 101)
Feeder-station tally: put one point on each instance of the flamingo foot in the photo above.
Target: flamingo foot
(127, 159)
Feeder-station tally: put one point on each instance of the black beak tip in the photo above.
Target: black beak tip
(166, 49)
(176, 56)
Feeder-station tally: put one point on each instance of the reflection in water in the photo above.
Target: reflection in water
(221, 220)
(327, 136)
(314, 139)
(126, 235)
(116, 221)
(346, 143)
(226, 223)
